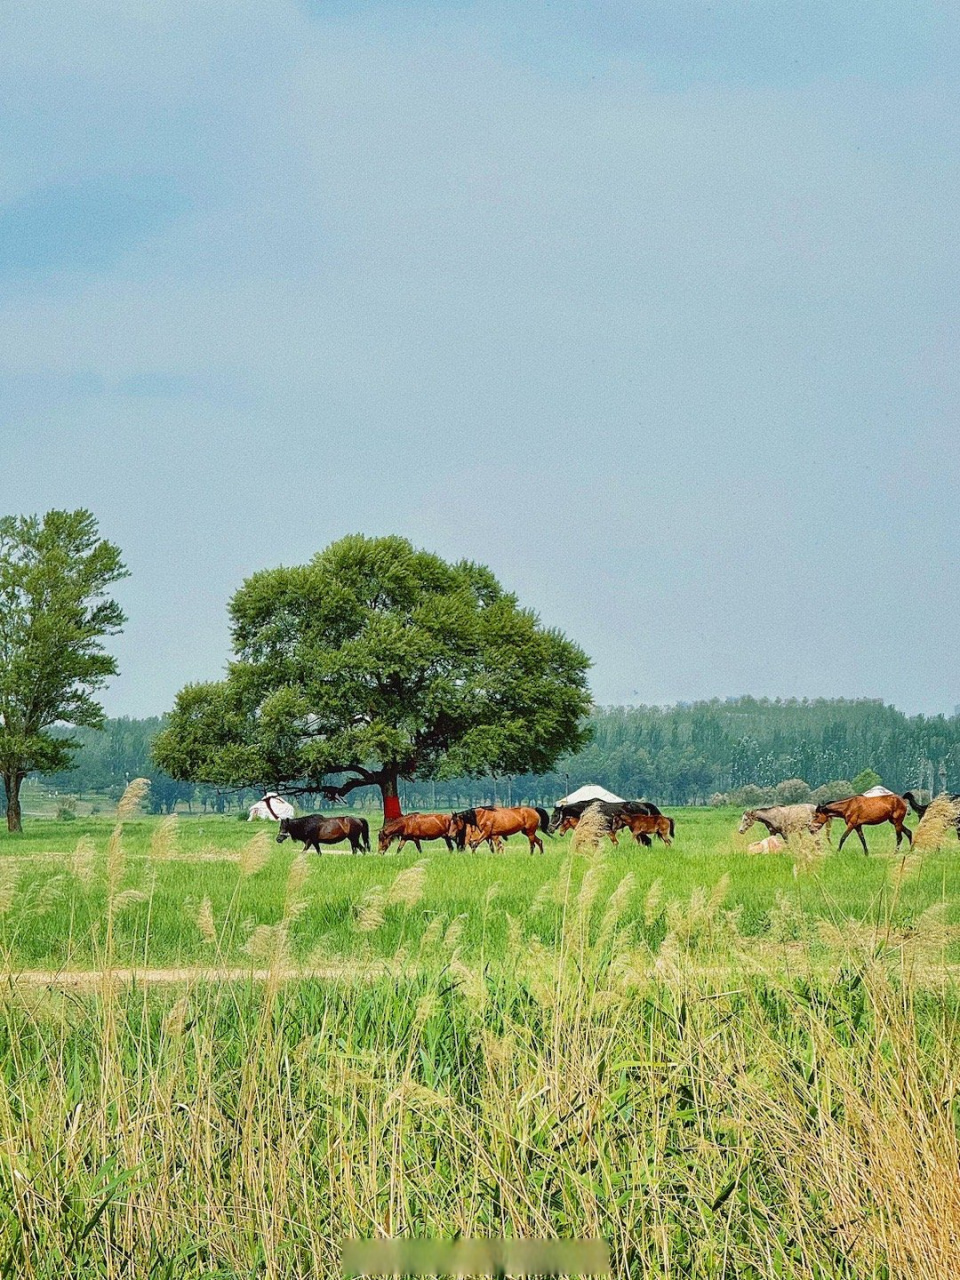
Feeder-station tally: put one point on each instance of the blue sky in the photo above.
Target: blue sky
(649, 306)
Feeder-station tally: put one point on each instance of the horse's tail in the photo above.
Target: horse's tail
(673, 826)
(544, 820)
(364, 835)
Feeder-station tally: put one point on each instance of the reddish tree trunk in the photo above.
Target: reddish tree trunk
(391, 797)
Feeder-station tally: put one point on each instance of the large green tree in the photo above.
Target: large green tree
(54, 617)
(376, 662)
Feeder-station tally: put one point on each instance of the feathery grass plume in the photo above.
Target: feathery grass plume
(205, 922)
(430, 938)
(788, 922)
(514, 932)
(165, 838)
(49, 893)
(589, 888)
(9, 875)
(548, 895)
(407, 887)
(294, 904)
(369, 912)
(176, 1019)
(128, 898)
(652, 903)
(451, 939)
(82, 861)
(255, 854)
(937, 825)
(492, 893)
(616, 905)
(589, 832)
(269, 943)
(808, 850)
(132, 798)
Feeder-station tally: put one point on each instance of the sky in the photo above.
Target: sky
(651, 306)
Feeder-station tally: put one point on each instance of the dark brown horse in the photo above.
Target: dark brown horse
(415, 827)
(316, 829)
(864, 811)
(493, 823)
(644, 825)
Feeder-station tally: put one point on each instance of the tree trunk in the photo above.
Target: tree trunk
(11, 785)
(391, 795)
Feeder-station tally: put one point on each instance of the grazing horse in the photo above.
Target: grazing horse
(781, 819)
(491, 823)
(415, 827)
(644, 825)
(920, 809)
(865, 811)
(316, 829)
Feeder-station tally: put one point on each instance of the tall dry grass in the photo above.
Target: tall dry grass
(712, 1122)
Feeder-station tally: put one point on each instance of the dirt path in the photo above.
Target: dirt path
(91, 979)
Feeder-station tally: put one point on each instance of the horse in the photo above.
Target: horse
(920, 809)
(491, 823)
(415, 827)
(565, 817)
(643, 826)
(316, 829)
(865, 811)
(781, 819)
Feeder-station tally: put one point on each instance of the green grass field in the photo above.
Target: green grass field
(55, 917)
(729, 1066)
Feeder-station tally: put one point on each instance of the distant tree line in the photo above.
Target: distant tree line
(749, 750)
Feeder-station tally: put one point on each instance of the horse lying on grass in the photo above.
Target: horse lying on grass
(316, 828)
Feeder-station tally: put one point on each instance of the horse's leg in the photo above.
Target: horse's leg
(902, 831)
(449, 844)
(416, 841)
(863, 839)
(844, 836)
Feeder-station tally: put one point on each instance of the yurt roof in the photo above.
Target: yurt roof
(879, 791)
(590, 793)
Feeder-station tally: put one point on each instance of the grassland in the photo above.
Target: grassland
(727, 1065)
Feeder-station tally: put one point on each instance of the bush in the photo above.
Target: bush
(838, 790)
(65, 813)
(793, 791)
(866, 779)
(751, 796)
(719, 799)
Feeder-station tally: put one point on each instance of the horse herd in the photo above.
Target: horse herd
(491, 825)
(479, 825)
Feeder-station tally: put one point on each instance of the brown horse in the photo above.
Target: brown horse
(415, 827)
(864, 811)
(493, 823)
(316, 829)
(644, 825)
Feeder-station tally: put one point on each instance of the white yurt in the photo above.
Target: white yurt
(273, 807)
(879, 791)
(590, 793)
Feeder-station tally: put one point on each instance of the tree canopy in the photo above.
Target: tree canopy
(54, 616)
(377, 661)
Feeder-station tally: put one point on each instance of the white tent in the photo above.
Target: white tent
(879, 791)
(590, 793)
(272, 807)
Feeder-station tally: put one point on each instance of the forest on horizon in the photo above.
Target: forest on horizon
(691, 753)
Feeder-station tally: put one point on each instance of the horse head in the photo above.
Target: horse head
(284, 833)
(746, 822)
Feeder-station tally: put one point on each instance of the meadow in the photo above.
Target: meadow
(727, 1065)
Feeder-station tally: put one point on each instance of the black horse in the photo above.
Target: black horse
(566, 816)
(316, 829)
(920, 809)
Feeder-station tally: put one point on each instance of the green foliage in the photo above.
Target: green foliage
(54, 616)
(866, 779)
(380, 661)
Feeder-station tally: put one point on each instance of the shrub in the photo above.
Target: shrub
(838, 790)
(793, 791)
(65, 813)
(719, 799)
(866, 779)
